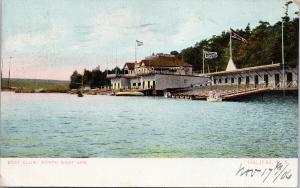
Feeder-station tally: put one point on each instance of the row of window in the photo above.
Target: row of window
(117, 85)
(232, 79)
(289, 78)
(226, 80)
(143, 84)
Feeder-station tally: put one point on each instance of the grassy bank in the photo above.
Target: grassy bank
(31, 84)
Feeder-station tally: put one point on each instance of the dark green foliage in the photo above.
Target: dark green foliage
(76, 80)
(176, 54)
(98, 79)
(95, 78)
(264, 47)
(87, 77)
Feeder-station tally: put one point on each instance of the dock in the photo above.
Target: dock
(227, 93)
(245, 93)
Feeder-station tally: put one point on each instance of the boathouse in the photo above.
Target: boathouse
(270, 76)
(158, 73)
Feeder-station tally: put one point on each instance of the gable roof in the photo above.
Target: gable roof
(129, 65)
(164, 61)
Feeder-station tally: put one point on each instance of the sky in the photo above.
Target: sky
(49, 39)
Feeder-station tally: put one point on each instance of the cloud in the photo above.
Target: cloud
(192, 28)
(35, 40)
(107, 31)
(141, 26)
(206, 19)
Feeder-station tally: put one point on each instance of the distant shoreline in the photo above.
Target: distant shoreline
(37, 80)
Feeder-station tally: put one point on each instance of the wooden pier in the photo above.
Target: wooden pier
(241, 94)
(227, 94)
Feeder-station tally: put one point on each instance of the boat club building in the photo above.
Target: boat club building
(270, 76)
(162, 73)
(159, 72)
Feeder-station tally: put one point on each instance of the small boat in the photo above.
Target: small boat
(167, 95)
(79, 94)
(129, 93)
(213, 97)
(41, 90)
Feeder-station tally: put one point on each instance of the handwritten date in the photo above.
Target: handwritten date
(278, 172)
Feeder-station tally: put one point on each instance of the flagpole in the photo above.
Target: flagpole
(1, 73)
(230, 45)
(8, 81)
(135, 52)
(282, 54)
(202, 61)
(116, 63)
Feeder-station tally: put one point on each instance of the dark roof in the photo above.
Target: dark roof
(130, 65)
(164, 61)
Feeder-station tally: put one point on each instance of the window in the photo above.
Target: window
(220, 80)
(247, 80)
(277, 80)
(139, 84)
(134, 84)
(255, 80)
(232, 80)
(239, 80)
(215, 81)
(289, 77)
(148, 84)
(266, 79)
(225, 80)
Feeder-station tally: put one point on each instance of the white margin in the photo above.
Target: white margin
(150, 172)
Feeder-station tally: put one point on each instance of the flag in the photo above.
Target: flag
(139, 43)
(236, 36)
(210, 55)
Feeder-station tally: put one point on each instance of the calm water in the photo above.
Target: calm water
(62, 125)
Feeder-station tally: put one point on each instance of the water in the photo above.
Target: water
(63, 125)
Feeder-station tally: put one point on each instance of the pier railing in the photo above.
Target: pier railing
(224, 90)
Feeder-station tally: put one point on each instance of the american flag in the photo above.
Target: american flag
(139, 43)
(237, 36)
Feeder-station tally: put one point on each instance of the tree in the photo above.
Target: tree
(76, 80)
(174, 53)
(95, 78)
(263, 47)
(87, 75)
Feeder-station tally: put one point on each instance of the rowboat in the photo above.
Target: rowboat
(213, 97)
(167, 95)
(129, 93)
(79, 94)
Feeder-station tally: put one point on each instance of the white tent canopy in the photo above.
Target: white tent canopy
(230, 66)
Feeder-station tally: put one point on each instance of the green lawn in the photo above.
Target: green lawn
(36, 84)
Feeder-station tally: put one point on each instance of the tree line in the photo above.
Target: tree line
(94, 79)
(263, 47)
